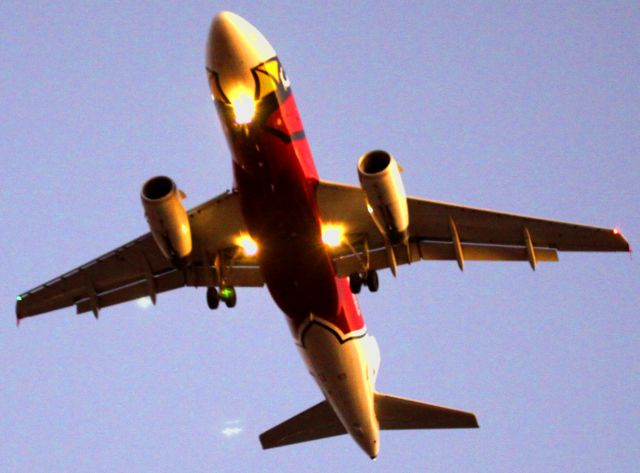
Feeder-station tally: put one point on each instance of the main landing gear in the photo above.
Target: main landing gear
(227, 295)
(370, 278)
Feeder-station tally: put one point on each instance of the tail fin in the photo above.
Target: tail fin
(315, 423)
(400, 413)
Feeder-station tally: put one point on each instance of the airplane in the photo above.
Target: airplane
(313, 243)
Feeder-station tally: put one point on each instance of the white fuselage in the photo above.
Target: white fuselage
(346, 373)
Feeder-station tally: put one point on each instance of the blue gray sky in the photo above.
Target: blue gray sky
(525, 107)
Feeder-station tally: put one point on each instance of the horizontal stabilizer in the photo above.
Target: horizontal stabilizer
(400, 413)
(315, 423)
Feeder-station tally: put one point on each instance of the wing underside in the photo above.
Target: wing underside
(139, 269)
(443, 231)
(438, 231)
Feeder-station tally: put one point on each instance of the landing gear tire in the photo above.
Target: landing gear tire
(228, 295)
(355, 283)
(213, 298)
(372, 281)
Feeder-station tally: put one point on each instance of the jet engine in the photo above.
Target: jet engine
(386, 198)
(167, 218)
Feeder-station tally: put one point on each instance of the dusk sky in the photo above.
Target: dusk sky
(524, 107)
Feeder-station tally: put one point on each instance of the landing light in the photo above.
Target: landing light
(249, 247)
(243, 107)
(332, 235)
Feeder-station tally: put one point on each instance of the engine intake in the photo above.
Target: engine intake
(380, 179)
(167, 218)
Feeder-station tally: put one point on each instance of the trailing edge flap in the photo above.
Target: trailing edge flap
(400, 413)
(315, 423)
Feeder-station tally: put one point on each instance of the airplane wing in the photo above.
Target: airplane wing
(443, 231)
(438, 231)
(138, 268)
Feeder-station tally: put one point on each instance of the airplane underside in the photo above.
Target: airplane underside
(281, 207)
(277, 181)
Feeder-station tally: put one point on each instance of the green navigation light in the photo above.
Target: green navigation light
(19, 298)
(225, 293)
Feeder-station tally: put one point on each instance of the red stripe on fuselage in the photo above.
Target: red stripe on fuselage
(277, 179)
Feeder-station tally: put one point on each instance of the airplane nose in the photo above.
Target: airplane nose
(234, 47)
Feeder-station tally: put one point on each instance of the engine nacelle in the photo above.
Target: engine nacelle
(167, 218)
(386, 198)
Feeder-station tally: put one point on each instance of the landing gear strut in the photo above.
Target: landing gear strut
(227, 295)
(370, 278)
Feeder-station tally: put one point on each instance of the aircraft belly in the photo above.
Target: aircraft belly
(279, 207)
(277, 180)
(281, 215)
